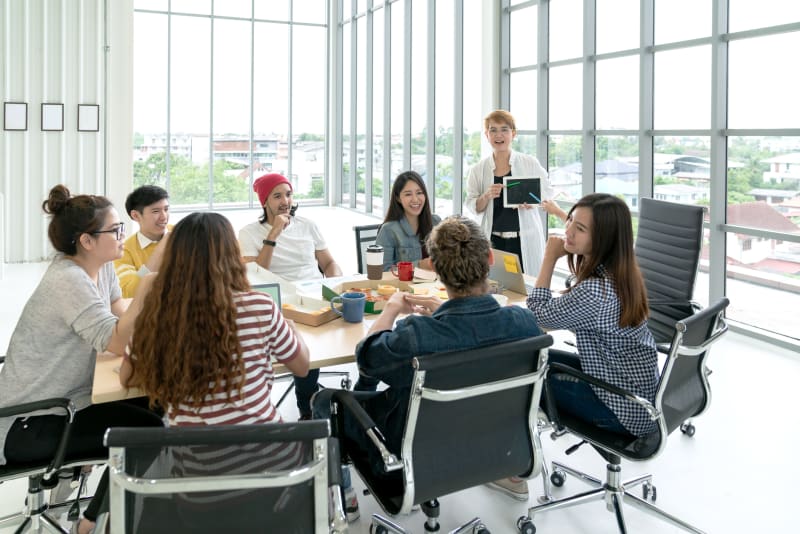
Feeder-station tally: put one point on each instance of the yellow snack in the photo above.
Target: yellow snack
(420, 290)
(386, 290)
(316, 312)
(287, 306)
(324, 309)
(443, 295)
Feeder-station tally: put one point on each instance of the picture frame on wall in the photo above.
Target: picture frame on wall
(15, 116)
(52, 117)
(88, 118)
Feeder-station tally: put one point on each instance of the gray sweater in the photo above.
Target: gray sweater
(63, 326)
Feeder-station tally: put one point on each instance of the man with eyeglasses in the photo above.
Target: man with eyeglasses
(148, 205)
(485, 183)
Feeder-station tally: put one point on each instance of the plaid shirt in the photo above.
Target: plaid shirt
(625, 357)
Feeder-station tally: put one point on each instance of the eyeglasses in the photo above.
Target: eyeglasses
(118, 231)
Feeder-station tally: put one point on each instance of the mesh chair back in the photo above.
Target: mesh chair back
(365, 236)
(481, 437)
(684, 389)
(224, 478)
(668, 246)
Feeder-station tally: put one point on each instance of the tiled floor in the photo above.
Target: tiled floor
(735, 475)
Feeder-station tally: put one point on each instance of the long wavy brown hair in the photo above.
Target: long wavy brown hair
(185, 339)
(612, 247)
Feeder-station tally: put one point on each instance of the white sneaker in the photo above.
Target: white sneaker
(351, 505)
(514, 488)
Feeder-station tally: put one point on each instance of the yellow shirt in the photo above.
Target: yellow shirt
(129, 266)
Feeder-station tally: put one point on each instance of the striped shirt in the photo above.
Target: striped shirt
(263, 335)
(622, 356)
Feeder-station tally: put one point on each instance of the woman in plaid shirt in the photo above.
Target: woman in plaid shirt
(607, 310)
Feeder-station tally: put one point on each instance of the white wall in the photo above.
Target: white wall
(53, 51)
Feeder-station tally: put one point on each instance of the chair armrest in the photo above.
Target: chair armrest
(565, 369)
(47, 404)
(346, 400)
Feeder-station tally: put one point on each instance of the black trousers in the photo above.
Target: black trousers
(34, 439)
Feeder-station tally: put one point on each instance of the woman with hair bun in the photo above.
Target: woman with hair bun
(74, 313)
(470, 318)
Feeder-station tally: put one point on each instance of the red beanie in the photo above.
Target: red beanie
(264, 185)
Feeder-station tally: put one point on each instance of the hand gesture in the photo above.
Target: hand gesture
(555, 247)
(494, 191)
(423, 305)
(279, 225)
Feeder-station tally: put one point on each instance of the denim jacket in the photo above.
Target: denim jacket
(400, 243)
(458, 324)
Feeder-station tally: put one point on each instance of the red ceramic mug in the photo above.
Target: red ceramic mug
(405, 271)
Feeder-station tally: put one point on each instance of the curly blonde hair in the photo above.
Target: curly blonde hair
(185, 342)
(460, 254)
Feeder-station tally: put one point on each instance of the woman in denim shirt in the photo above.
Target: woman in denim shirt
(471, 317)
(407, 224)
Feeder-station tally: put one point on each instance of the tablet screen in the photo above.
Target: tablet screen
(520, 190)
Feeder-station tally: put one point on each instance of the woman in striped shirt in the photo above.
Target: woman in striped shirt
(204, 345)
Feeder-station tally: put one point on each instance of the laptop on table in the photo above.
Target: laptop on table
(507, 271)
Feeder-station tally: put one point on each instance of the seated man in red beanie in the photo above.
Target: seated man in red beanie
(291, 247)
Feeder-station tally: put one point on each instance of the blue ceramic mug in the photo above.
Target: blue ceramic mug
(352, 306)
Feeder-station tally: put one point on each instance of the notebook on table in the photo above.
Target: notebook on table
(507, 271)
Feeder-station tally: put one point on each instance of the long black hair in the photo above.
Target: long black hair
(396, 212)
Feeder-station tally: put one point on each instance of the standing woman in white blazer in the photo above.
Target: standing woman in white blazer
(485, 183)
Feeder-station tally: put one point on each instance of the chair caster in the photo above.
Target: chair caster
(688, 429)
(557, 478)
(648, 490)
(525, 525)
(346, 383)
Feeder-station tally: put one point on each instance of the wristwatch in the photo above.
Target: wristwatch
(269, 242)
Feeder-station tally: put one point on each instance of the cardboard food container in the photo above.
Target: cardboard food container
(307, 310)
(375, 302)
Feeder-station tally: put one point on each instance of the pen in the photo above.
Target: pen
(535, 197)
(513, 184)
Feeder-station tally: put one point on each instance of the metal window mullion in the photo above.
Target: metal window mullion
(290, 114)
(250, 192)
(353, 105)
(167, 158)
(589, 73)
(430, 98)
(543, 84)
(334, 138)
(646, 95)
(503, 42)
(210, 116)
(718, 151)
(407, 86)
(387, 102)
(368, 171)
(458, 104)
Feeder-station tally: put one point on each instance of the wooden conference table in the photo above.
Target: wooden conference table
(332, 343)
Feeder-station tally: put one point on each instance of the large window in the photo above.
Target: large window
(227, 91)
(415, 99)
(689, 101)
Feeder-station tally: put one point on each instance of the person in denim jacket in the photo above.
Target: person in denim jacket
(471, 317)
(408, 223)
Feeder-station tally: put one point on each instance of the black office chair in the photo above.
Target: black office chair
(471, 420)
(275, 477)
(365, 236)
(667, 248)
(682, 392)
(36, 516)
